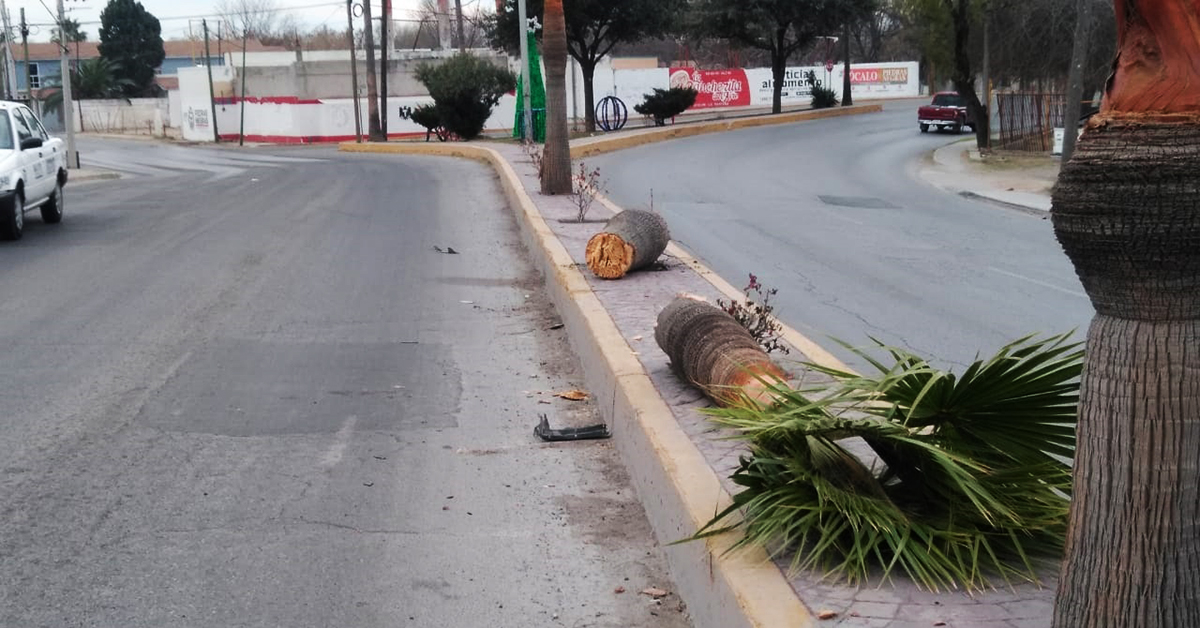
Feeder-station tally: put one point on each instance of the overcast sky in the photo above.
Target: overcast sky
(177, 16)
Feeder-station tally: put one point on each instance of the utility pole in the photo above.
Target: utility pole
(373, 129)
(385, 44)
(212, 101)
(527, 115)
(64, 54)
(353, 70)
(25, 45)
(10, 68)
(462, 40)
(443, 18)
(1083, 29)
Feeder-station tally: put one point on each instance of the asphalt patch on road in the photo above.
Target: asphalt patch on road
(861, 202)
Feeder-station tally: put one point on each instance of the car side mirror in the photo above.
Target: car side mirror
(31, 142)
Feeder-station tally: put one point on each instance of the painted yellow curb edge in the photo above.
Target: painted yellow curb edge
(621, 141)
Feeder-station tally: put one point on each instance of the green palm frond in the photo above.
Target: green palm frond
(971, 479)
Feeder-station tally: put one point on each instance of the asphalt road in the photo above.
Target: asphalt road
(243, 389)
(831, 213)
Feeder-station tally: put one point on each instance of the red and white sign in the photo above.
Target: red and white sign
(715, 88)
(878, 76)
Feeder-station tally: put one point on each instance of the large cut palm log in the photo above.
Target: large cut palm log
(631, 240)
(713, 352)
(1127, 212)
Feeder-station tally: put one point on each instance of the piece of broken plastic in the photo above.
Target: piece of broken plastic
(591, 432)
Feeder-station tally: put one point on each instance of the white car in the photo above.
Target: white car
(33, 170)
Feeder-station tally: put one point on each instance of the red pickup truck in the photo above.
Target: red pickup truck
(947, 111)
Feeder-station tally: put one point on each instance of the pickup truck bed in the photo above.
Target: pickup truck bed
(947, 111)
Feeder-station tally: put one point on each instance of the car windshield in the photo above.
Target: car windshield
(6, 134)
(948, 100)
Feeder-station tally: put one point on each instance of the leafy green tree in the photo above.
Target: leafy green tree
(131, 38)
(780, 27)
(593, 27)
(72, 30)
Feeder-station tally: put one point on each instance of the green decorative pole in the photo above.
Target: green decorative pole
(537, 91)
(526, 116)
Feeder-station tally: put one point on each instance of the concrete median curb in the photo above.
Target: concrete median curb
(83, 176)
(607, 144)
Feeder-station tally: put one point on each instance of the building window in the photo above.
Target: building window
(35, 80)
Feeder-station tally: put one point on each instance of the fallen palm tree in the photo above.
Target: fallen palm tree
(714, 352)
(631, 240)
(975, 476)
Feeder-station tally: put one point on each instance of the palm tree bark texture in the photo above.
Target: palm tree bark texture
(710, 350)
(556, 158)
(1127, 212)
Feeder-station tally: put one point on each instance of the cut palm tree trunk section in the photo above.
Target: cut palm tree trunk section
(711, 350)
(631, 240)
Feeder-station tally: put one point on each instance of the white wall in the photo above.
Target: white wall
(194, 102)
(329, 120)
(304, 120)
(140, 116)
(872, 81)
(174, 109)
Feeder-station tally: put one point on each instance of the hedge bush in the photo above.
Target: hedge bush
(823, 97)
(666, 103)
(465, 89)
(425, 115)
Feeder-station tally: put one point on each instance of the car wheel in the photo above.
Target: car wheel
(52, 210)
(12, 218)
(924, 128)
(957, 128)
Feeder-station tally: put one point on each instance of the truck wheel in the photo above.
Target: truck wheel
(52, 210)
(12, 218)
(957, 128)
(924, 128)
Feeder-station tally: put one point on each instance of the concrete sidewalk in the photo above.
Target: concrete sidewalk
(1021, 181)
(679, 464)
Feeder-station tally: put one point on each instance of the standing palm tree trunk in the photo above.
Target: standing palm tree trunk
(1127, 212)
(556, 161)
(374, 128)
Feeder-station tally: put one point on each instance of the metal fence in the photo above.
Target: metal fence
(1027, 121)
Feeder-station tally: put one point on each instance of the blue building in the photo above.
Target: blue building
(45, 66)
